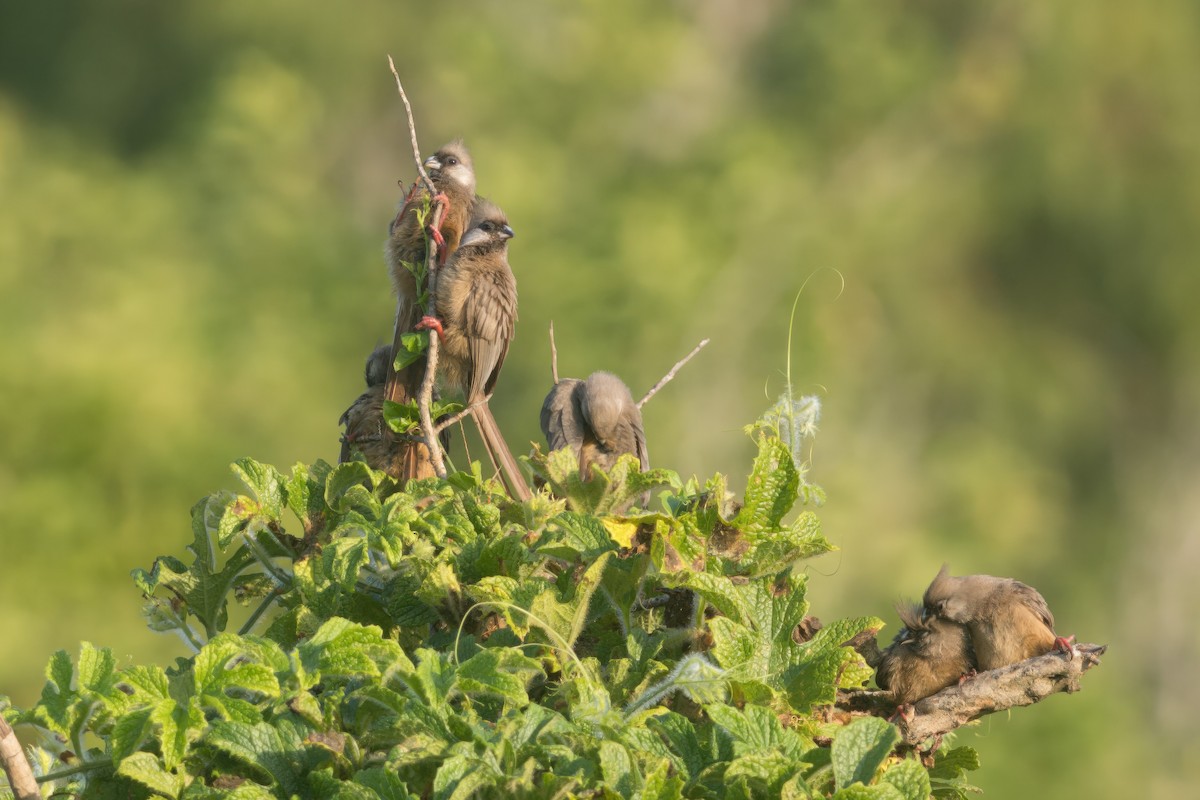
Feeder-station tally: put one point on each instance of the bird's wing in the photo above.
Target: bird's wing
(1033, 600)
(491, 318)
(639, 438)
(560, 420)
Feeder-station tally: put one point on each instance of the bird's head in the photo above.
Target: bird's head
(945, 599)
(488, 226)
(377, 365)
(452, 165)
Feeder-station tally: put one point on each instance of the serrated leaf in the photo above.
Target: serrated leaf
(575, 537)
(146, 770)
(756, 729)
(343, 648)
(350, 487)
(500, 672)
(618, 768)
(203, 587)
(385, 783)
(265, 482)
(909, 778)
(860, 792)
(129, 732)
(660, 784)
(860, 748)
(179, 724)
(225, 665)
(564, 616)
(264, 749)
(770, 489)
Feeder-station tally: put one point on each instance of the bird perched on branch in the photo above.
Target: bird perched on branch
(452, 174)
(476, 304)
(597, 419)
(1008, 621)
(365, 429)
(928, 654)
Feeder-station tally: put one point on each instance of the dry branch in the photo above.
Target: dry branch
(667, 378)
(12, 758)
(1020, 684)
(425, 395)
(553, 355)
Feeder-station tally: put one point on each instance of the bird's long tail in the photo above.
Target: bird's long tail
(510, 471)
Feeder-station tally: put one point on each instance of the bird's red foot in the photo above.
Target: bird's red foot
(1065, 644)
(429, 323)
(966, 676)
(904, 713)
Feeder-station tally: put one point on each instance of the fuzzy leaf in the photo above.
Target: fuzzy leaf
(146, 770)
(909, 778)
(860, 748)
(771, 488)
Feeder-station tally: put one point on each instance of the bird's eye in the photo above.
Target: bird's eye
(451, 161)
(487, 226)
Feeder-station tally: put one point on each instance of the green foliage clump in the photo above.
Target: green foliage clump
(440, 640)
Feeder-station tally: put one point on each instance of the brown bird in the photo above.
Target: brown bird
(452, 173)
(366, 431)
(597, 419)
(928, 654)
(477, 315)
(1009, 621)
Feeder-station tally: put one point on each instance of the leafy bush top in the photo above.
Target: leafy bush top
(443, 641)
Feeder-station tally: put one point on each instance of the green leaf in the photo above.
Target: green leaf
(350, 487)
(268, 751)
(565, 615)
(499, 671)
(224, 671)
(660, 784)
(265, 482)
(575, 537)
(129, 732)
(385, 783)
(461, 777)
(860, 748)
(146, 770)
(413, 345)
(770, 489)
(180, 723)
(204, 587)
(909, 778)
(618, 768)
(860, 792)
(756, 729)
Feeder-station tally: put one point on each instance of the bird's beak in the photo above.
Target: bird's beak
(432, 163)
(508, 232)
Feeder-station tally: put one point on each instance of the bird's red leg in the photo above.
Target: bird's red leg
(904, 713)
(429, 323)
(966, 676)
(439, 199)
(1065, 644)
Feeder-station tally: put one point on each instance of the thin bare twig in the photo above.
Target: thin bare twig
(16, 767)
(458, 415)
(667, 378)
(425, 395)
(553, 355)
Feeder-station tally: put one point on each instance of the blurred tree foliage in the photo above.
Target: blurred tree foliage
(994, 206)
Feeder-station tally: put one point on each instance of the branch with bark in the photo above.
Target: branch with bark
(16, 767)
(425, 396)
(1021, 684)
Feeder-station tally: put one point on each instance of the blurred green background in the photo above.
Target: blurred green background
(995, 206)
